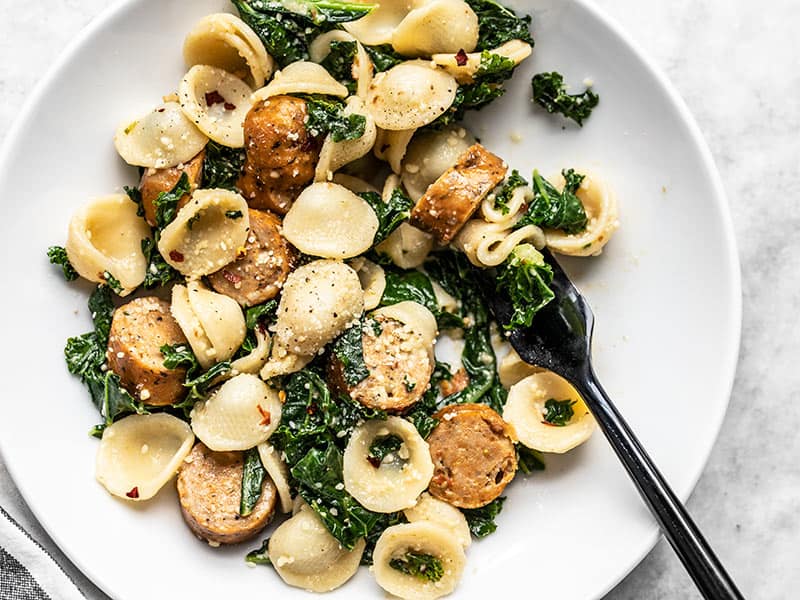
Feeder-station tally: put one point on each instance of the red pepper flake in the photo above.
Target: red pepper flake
(230, 106)
(266, 418)
(214, 97)
(374, 461)
(231, 276)
(282, 396)
(461, 58)
(134, 493)
(176, 256)
(161, 110)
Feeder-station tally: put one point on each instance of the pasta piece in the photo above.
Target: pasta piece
(489, 244)
(225, 41)
(283, 363)
(255, 361)
(207, 233)
(140, 453)
(422, 537)
(602, 221)
(417, 317)
(429, 155)
(464, 71)
(513, 369)
(278, 472)
(307, 556)
(335, 155)
(379, 25)
(445, 301)
(519, 199)
(525, 410)
(319, 49)
(437, 511)
(182, 311)
(301, 77)
(320, 299)
(391, 146)
(330, 221)
(373, 281)
(399, 479)
(410, 95)
(105, 236)
(242, 413)
(163, 138)
(217, 102)
(354, 184)
(407, 246)
(437, 26)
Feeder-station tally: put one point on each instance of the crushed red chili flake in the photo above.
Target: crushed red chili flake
(134, 493)
(266, 418)
(230, 106)
(374, 461)
(282, 396)
(461, 58)
(231, 276)
(214, 97)
(176, 256)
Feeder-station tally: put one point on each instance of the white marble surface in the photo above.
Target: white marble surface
(737, 64)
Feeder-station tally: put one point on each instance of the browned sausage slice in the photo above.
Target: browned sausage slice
(399, 371)
(259, 274)
(210, 490)
(449, 202)
(281, 154)
(155, 181)
(138, 330)
(473, 455)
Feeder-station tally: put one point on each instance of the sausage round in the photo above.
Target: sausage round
(138, 330)
(259, 274)
(399, 371)
(473, 455)
(281, 155)
(210, 491)
(155, 181)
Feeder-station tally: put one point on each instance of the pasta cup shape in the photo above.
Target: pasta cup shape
(217, 102)
(301, 77)
(105, 237)
(440, 512)
(373, 281)
(525, 410)
(181, 310)
(407, 246)
(464, 71)
(391, 146)
(418, 318)
(399, 479)
(410, 95)
(138, 454)
(335, 155)
(225, 41)
(512, 369)
(279, 473)
(330, 221)
(221, 318)
(283, 363)
(420, 538)
(437, 26)
(307, 556)
(207, 233)
(257, 358)
(354, 184)
(242, 413)
(429, 155)
(378, 26)
(489, 244)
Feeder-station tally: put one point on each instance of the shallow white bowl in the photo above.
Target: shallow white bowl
(666, 294)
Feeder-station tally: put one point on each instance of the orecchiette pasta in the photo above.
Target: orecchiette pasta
(407, 246)
(513, 369)
(379, 25)
(418, 318)
(278, 472)
(519, 197)
(307, 556)
(602, 221)
(281, 362)
(464, 70)
(489, 244)
(401, 476)
(301, 77)
(391, 146)
(437, 511)
(354, 184)
(525, 410)
(330, 221)
(373, 281)
(217, 102)
(319, 49)
(437, 26)
(105, 237)
(334, 155)
(207, 233)
(410, 95)
(140, 453)
(225, 41)
(429, 155)
(421, 537)
(163, 138)
(242, 413)
(255, 361)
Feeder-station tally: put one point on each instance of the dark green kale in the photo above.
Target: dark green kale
(422, 410)
(558, 412)
(158, 273)
(525, 277)
(326, 115)
(387, 520)
(253, 475)
(529, 460)
(552, 209)
(390, 214)
(112, 282)
(166, 203)
(419, 565)
(260, 313)
(481, 520)
(233, 214)
(409, 285)
(503, 197)
(550, 93)
(349, 349)
(136, 196)
(383, 57)
(259, 556)
(339, 63)
(494, 67)
(197, 381)
(222, 166)
(498, 25)
(58, 256)
(381, 447)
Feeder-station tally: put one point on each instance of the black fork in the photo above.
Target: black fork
(560, 340)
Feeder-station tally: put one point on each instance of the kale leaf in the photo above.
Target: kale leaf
(550, 93)
(390, 214)
(135, 194)
(494, 67)
(339, 63)
(481, 520)
(409, 285)
(58, 256)
(558, 412)
(253, 475)
(222, 166)
(166, 203)
(326, 115)
(498, 24)
(381, 447)
(159, 272)
(503, 197)
(259, 556)
(197, 381)
(529, 460)
(112, 282)
(349, 349)
(525, 277)
(260, 313)
(383, 57)
(553, 209)
(422, 410)
(417, 564)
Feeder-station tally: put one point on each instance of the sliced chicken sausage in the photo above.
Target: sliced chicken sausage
(259, 274)
(473, 455)
(281, 154)
(210, 491)
(138, 330)
(449, 202)
(155, 181)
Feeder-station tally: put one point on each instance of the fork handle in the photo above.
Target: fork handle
(678, 527)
